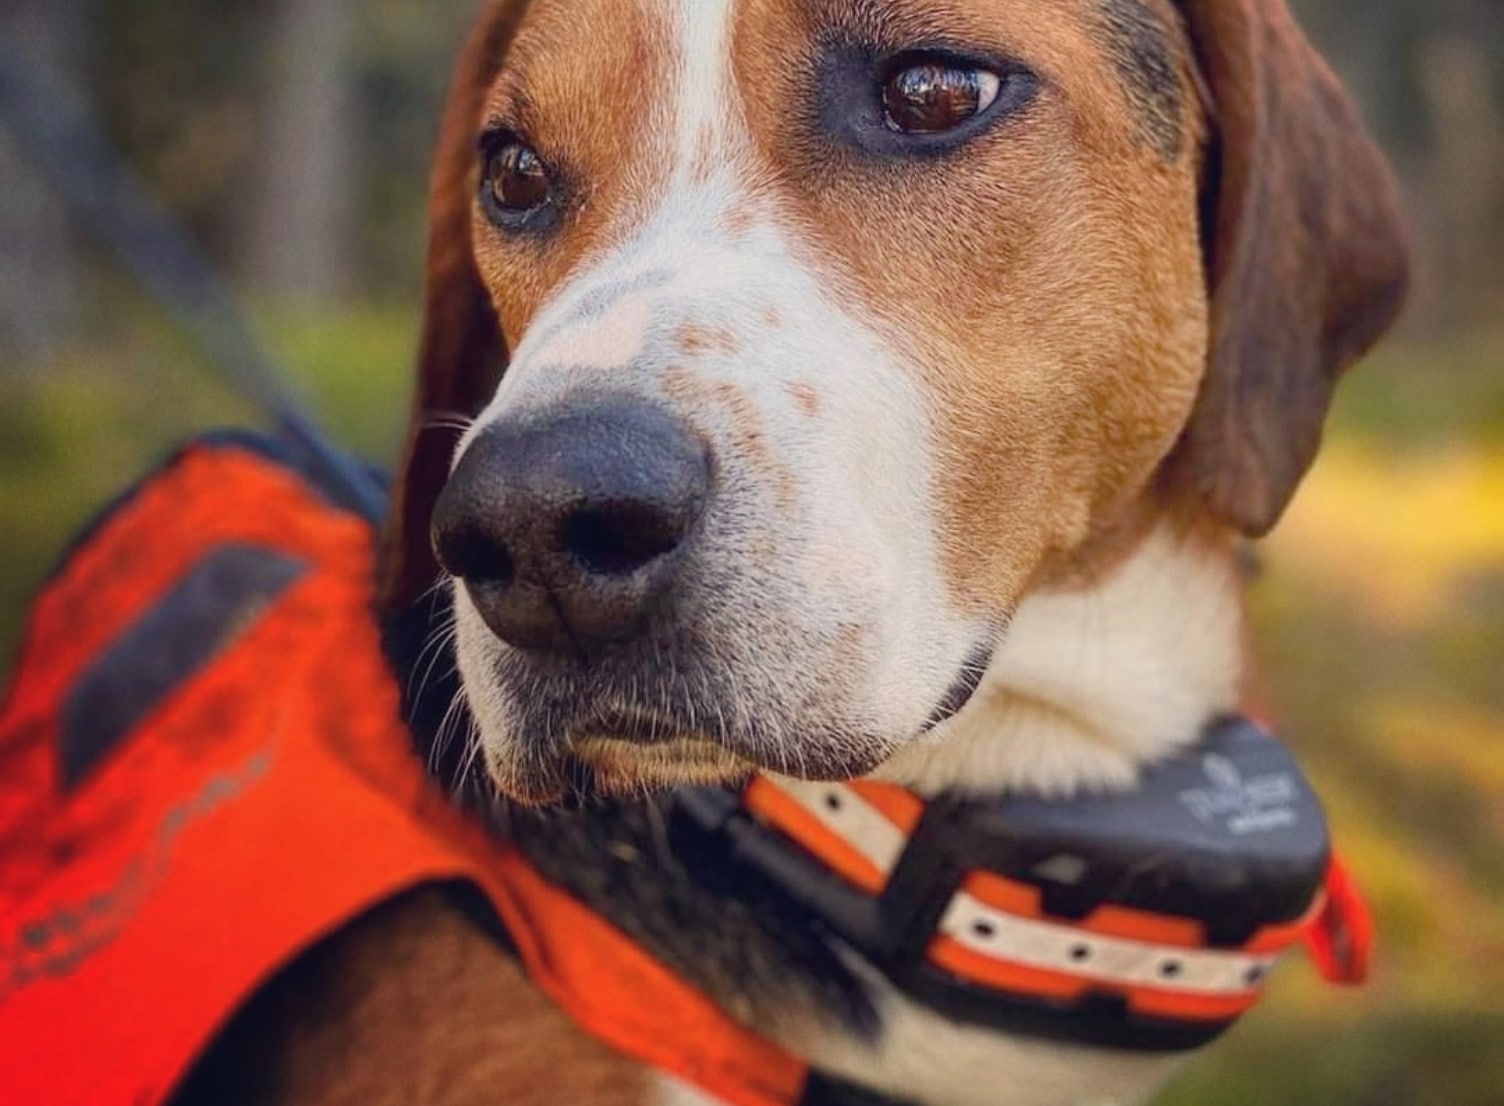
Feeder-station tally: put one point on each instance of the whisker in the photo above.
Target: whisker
(446, 732)
(448, 420)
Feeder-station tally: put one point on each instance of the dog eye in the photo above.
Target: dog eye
(930, 98)
(515, 182)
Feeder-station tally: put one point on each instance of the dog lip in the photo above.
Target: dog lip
(609, 766)
(973, 668)
(637, 727)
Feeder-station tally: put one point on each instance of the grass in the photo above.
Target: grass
(1379, 620)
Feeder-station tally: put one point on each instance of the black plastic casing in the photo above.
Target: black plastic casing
(1229, 833)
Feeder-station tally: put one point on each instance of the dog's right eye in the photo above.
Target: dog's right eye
(515, 183)
(929, 98)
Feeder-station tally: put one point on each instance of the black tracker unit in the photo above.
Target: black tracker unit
(1228, 834)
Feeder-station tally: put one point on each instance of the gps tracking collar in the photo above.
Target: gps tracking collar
(1143, 920)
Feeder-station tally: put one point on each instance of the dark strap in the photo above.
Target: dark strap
(822, 1089)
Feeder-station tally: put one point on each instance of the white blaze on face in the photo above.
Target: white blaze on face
(613, 341)
(704, 91)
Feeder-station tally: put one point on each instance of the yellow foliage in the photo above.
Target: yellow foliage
(1402, 534)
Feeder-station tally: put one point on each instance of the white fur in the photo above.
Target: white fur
(1090, 685)
(927, 1059)
(704, 97)
(671, 1091)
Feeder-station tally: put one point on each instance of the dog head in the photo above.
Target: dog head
(794, 343)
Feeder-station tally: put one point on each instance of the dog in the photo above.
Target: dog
(889, 386)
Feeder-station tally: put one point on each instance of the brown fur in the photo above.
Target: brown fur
(695, 338)
(413, 1003)
(1307, 257)
(611, 163)
(1141, 38)
(806, 397)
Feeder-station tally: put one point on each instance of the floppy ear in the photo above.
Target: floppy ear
(461, 353)
(1306, 257)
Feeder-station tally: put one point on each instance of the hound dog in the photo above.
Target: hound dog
(888, 387)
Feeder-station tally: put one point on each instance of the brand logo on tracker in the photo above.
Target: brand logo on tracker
(1242, 804)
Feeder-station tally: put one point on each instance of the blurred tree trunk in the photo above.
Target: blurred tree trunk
(1466, 175)
(303, 203)
(39, 263)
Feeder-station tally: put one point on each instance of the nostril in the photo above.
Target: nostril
(475, 557)
(617, 540)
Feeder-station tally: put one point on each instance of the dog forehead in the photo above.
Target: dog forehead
(609, 57)
(679, 111)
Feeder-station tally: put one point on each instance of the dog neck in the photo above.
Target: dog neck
(1091, 683)
(1098, 677)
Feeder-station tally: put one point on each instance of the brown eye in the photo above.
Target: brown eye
(516, 180)
(927, 99)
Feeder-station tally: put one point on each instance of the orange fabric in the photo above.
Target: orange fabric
(1278, 938)
(1341, 935)
(1154, 1003)
(779, 809)
(621, 995)
(260, 805)
(898, 805)
(990, 971)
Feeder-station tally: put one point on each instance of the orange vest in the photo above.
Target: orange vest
(178, 821)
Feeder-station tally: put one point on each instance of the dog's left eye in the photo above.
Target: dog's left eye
(930, 98)
(516, 186)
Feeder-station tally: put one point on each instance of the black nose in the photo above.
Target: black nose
(568, 530)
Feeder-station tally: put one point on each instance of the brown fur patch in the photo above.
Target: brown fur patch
(410, 1003)
(696, 338)
(1143, 49)
(805, 397)
(607, 164)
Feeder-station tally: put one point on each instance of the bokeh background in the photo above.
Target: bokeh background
(291, 137)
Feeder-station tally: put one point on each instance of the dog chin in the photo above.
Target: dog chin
(607, 765)
(623, 768)
(600, 766)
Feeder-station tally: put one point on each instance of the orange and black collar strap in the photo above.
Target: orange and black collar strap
(1143, 920)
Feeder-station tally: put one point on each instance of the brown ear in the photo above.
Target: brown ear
(1306, 257)
(461, 353)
